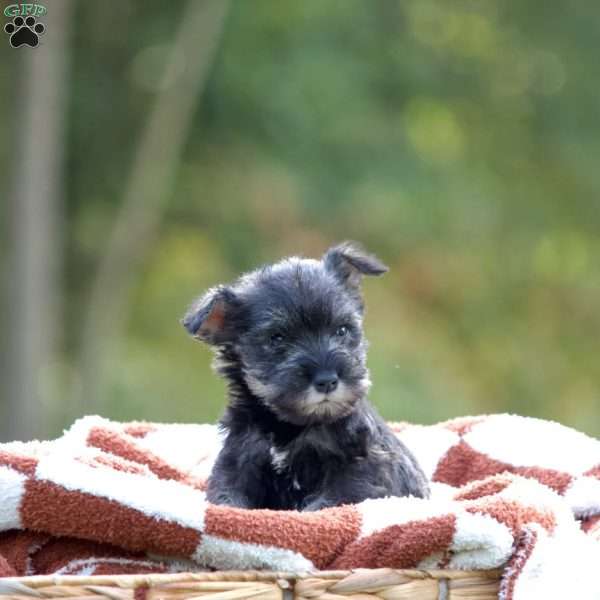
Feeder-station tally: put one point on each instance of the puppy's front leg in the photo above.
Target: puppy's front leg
(318, 504)
(227, 489)
(237, 478)
(226, 498)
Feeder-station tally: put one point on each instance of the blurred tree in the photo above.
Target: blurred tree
(37, 228)
(148, 190)
(457, 140)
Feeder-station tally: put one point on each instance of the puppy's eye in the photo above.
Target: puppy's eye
(342, 331)
(276, 339)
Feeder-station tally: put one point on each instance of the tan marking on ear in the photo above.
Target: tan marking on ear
(215, 320)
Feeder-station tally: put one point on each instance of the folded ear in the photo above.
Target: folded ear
(210, 318)
(349, 262)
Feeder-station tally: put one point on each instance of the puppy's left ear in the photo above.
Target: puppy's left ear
(210, 319)
(349, 262)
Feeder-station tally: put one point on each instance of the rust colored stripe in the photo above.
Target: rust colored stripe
(17, 546)
(516, 564)
(5, 569)
(113, 462)
(553, 479)
(486, 487)
(49, 507)
(513, 514)
(24, 464)
(114, 443)
(140, 430)
(107, 568)
(319, 536)
(400, 546)
(462, 464)
(593, 472)
(59, 552)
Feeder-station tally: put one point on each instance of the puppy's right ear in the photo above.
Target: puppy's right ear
(349, 262)
(210, 318)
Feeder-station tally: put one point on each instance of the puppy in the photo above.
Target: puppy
(299, 430)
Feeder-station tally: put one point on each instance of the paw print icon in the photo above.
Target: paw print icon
(24, 31)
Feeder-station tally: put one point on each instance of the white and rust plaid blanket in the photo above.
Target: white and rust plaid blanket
(508, 491)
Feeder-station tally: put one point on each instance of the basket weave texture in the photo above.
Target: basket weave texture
(361, 584)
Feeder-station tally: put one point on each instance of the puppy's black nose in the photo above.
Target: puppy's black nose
(325, 381)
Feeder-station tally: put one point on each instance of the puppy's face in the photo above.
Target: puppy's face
(295, 329)
(302, 349)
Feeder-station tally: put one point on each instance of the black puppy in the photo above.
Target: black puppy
(300, 433)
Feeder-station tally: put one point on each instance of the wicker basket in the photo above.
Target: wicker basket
(361, 584)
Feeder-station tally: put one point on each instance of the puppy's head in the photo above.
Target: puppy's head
(294, 330)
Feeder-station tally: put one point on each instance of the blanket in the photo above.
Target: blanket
(507, 491)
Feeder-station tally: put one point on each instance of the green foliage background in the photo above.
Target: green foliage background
(458, 141)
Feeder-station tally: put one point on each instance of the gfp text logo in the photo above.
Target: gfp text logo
(25, 29)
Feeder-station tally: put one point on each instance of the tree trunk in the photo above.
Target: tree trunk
(35, 219)
(147, 192)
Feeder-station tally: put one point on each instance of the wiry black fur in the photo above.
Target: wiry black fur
(287, 447)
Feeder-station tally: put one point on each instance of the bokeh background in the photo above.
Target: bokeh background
(150, 149)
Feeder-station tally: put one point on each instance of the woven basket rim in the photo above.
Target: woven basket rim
(151, 579)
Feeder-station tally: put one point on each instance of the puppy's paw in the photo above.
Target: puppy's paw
(226, 499)
(318, 503)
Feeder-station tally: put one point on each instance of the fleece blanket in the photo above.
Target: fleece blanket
(508, 491)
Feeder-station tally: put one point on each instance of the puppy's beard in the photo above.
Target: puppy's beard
(318, 407)
(309, 406)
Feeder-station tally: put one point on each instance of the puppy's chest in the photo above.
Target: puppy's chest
(300, 470)
(305, 463)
